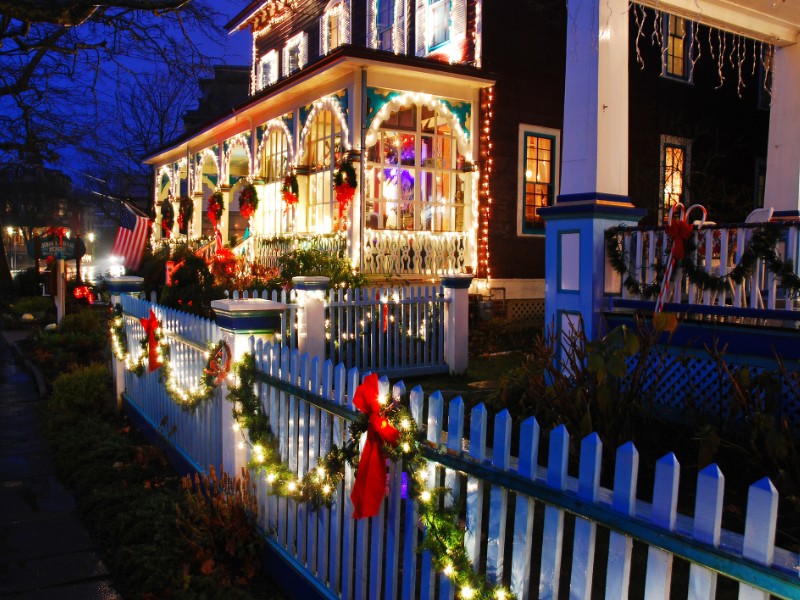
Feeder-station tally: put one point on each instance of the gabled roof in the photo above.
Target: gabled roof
(251, 13)
(343, 59)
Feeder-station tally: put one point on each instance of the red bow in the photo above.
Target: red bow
(150, 325)
(370, 484)
(679, 231)
(344, 194)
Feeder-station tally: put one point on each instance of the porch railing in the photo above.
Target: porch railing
(719, 249)
(267, 250)
(414, 253)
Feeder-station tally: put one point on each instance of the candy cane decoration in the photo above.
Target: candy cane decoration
(679, 232)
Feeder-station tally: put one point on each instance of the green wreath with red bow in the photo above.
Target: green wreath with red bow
(344, 186)
(248, 201)
(216, 204)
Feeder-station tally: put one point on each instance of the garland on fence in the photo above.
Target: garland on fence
(761, 246)
(392, 433)
(216, 370)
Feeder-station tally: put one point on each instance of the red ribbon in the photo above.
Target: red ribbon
(150, 325)
(344, 194)
(370, 484)
(679, 231)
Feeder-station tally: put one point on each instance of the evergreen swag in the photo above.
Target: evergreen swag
(445, 537)
(167, 216)
(216, 204)
(762, 245)
(185, 210)
(248, 201)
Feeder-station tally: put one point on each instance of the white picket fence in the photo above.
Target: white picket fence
(398, 331)
(531, 525)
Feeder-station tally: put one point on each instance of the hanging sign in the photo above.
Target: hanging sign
(53, 245)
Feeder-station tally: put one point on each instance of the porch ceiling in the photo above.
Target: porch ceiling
(774, 21)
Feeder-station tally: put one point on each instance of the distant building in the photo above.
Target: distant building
(219, 94)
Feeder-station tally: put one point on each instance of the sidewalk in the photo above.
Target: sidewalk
(45, 551)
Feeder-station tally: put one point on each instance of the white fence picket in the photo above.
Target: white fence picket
(618, 571)
(665, 503)
(585, 530)
(553, 535)
(759, 531)
(452, 480)
(523, 513)
(475, 485)
(410, 535)
(434, 435)
(707, 525)
(498, 499)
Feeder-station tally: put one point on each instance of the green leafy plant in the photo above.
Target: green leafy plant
(313, 262)
(192, 287)
(87, 389)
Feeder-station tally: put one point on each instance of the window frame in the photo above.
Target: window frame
(668, 141)
(272, 59)
(338, 12)
(300, 41)
(688, 36)
(387, 28)
(554, 135)
(446, 6)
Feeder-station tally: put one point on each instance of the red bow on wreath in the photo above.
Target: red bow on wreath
(370, 484)
(58, 232)
(344, 194)
(679, 232)
(219, 365)
(150, 325)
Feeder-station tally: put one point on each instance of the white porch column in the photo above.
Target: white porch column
(595, 151)
(224, 223)
(782, 188)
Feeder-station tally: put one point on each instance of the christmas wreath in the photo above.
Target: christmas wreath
(248, 201)
(185, 210)
(290, 190)
(167, 217)
(216, 204)
(344, 185)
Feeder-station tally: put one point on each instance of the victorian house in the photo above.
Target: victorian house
(447, 118)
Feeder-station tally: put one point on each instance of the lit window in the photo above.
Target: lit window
(538, 166)
(273, 160)
(335, 26)
(323, 150)
(675, 160)
(677, 50)
(268, 69)
(439, 22)
(295, 54)
(414, 180)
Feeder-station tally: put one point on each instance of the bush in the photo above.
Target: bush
(192, 288)
(318, 263)
(28, 283)
(85, 390)
(80, 340)
(41, 307)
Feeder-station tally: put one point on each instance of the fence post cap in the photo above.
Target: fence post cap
(125, 284)
(311, 283)
(246, 305)
(458, 281)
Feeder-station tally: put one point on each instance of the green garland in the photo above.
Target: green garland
(445, 537)
(761, 246)
(345, 173)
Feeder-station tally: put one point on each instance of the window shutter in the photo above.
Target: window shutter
(421, 13)
(458, 20)
(372, 41)
(400, 24)
(285, 59)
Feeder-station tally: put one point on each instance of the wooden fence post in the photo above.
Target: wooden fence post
(117, 286)
(239, 321)
(311, 315)
(456, 322)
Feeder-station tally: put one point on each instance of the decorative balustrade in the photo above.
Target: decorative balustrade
(732, 267)
(414, 252)
(267, 250)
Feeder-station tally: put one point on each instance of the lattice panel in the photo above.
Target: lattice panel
(530, 310)
(697, 383)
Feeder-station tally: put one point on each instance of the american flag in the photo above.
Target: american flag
(131, 237)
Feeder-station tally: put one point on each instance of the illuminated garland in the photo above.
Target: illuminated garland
(290, 190)
(216, 204)
(216, 370)
(444, 539)
(248, 201)
(761, 246)
(185, 211)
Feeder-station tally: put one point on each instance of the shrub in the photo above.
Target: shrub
(218, 528)
(85, 390)
(192, 288)
(41, 307)
(314, 262)
(80, 340)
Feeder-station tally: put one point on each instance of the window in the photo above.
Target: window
(272, 167)
(439, 22)
(414, 177)
(384, 21)
(675, 161)
(323, 149)
(335, 26)
(538, 167)
(295, 54)
(268, 69)
(677, 49)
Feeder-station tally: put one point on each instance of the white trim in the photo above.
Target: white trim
(301, 42)
(536, 130)
(270, 58)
